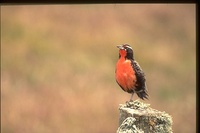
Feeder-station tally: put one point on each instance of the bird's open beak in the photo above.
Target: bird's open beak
(120, 47)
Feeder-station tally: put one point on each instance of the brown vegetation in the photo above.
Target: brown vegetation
(58, 65)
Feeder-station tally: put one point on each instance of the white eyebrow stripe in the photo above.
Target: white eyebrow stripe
(128, 47)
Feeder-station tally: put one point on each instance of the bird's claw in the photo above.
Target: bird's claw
(129, 103)
(131, 100)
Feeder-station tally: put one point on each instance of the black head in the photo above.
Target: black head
(128, 49)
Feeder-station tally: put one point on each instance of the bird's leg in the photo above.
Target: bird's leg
(131, 100)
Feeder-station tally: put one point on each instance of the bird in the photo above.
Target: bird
(128, 73)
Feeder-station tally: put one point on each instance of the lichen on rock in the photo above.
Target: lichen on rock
(138, 117)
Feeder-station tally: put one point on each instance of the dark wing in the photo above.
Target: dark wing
(141, 89)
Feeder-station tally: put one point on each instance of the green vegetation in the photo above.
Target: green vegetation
(58, 64)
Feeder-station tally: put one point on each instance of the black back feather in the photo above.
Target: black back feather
(141, 89)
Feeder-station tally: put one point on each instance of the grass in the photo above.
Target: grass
(58, 64)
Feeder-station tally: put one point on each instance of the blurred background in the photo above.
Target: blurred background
(58, 64)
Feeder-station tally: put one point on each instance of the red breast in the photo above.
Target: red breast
(125, 74)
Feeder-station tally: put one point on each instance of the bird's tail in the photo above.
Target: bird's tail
(142, 94)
